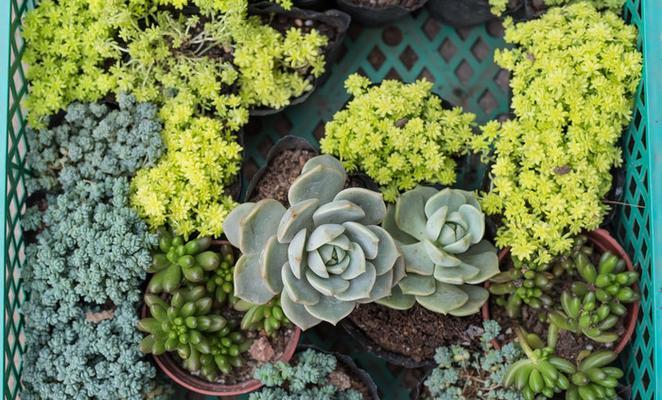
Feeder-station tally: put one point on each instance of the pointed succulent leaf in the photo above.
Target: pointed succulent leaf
(435, 224)
(361, 286)
(232, 223)
(417, 259)
(299, 290)
(410, 212)
(259, 225)
(297, 217)
(399, 270)
(327, 286)
(452, 199)
(320, 182)
(273, 258)
(325, 160)
(372, 203)
(445, 298)
(342, 242)
(387, 252)
(397, 300)
(296, 255)
(475, 221)
(330, 309)
(337, 212)
(455, 275)
(341, 266)
(248, 283)
(477, 297)
(417, 285)
(357, 263)
(392, 228)
(383, 286)
(297, 313)
(323, 234)
(483, 256)
(316, 264)
(360, 234)
(439, 256)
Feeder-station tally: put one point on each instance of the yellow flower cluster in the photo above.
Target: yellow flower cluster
(185, 189)
(399, 134)
(574, 74)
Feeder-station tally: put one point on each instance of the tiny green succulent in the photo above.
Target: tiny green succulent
(323, 255)
(178, 258)
(522, 284)
(220, 280)
(594, 378)
(226, 347)
(440, 234)
(267, 317)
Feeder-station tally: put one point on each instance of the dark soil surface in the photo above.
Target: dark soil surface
(415, 333)
(280, 174)
(356, 384)
(387, 3)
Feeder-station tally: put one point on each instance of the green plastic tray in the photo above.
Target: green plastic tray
(460, 63)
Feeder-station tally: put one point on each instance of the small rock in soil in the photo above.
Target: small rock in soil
(261, 350)
(340, 380)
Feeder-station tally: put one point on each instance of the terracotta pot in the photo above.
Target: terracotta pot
(170, 366)
(602, 241)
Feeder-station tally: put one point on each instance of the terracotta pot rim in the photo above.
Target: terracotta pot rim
(177, 373)
(603, 240)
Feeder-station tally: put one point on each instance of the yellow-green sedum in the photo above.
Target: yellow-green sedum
(399, 134)
(574, 74)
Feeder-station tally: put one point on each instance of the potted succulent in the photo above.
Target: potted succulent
(466, 372)
(589, 295)
(322, 255)
(440, 234)
(312, 372)
(465, 13)
(201, 336)
(398, 134)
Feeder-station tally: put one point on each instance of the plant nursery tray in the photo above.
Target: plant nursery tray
(460, 63)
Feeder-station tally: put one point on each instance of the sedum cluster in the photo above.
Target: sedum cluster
(308, 377)
(399, 134)
(463, 373)
(499, 7)
(68, 43)
(83, 275)
(94, 141)
(575, 71)
(185, 189)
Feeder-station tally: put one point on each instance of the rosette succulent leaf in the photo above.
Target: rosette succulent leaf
(323, 255)
(440, 234)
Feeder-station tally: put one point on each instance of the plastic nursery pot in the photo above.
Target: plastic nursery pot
(379, 16)
(170, 366)
(336, 20)
(602, 241)
(465, 13)
(317, 5)
(355, 371)
(234, 189)
(371, 346)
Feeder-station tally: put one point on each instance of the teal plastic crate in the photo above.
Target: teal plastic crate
(460, 63)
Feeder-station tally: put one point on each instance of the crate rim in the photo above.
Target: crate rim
(651, 36)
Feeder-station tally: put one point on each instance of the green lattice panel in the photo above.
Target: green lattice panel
(460, 64)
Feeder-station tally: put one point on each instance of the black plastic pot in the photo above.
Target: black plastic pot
(317, 5)
(369, 345)
(348, 363)
(288, 142)
(335, 19)
(465, 13)
(373, 16)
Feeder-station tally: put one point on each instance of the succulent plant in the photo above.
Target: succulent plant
(178, 258)
(583, 315)
(181, 325)
(267, 317)
(440, 234)
(226, 348)
(220, 280)
(323, 255)
(594, 378)
(610, 280)
(521, 285)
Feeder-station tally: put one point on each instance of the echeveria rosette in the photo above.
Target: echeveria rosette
(440, 234)
(323, 255)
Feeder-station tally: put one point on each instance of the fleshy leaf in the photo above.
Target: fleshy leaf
(316, 264)
(248, 284)
(455, 275)
(410, 211)
(444, 299)
(330, 310)
(299, 290)
(364, 237)
(297, 313)
(327, 286)
(483, 256)
(417, 285)
(323, 234)
(337, 212)
(392, 228)
(475, 221)
(417, 259)
(451, 198)
(356, 263)
(361, 286)
(232, 223)
(340, 267)
(477, 297)
(325, 160)
(273, 258)
(397, 300)
(435, 223)
(259, 225)
(320, 182)
(387, 252)
(372, 203)
(295, 253)
(296, 218)
(438, 256)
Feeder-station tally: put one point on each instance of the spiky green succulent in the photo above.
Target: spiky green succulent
(323, 255)
(440, 234)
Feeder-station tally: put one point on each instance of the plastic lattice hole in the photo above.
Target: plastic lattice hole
(447, 50)
(480, 50)
(464, 71)
(431, 28)
(376, 58)
(488, 102)
(408, 57)
(392, 36)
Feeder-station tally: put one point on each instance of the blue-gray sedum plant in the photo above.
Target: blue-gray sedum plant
(440, 234)
(323, 255)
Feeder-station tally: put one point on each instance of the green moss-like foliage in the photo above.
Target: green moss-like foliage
(575, 71)
(398, 134)
(88, 261)
(185, 189)
(93, 142)
(461, 373)
(306, 378)
(68, 43)
(498, 7)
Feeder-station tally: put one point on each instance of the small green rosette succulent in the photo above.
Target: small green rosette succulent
(440, 234)
(323, 255)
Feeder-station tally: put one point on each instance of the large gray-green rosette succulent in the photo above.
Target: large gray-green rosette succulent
(440, 234)
(323, 255)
